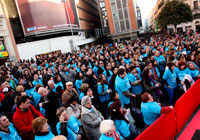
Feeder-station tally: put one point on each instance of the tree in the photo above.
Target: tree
(175, 12)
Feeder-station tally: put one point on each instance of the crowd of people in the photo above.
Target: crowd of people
(105, 92)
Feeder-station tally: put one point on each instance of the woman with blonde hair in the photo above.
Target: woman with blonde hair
(41, 129)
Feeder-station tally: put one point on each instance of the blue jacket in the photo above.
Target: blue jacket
(72, 127)
(12, 136)
(45, 137)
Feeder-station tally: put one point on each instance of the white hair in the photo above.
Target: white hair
(122, 67)
(84, 100)
(50, 82)
(106, 126)
(41, 90)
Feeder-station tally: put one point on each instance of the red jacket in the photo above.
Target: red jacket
(23, 122)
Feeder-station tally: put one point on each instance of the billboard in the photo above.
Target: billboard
(43, 16)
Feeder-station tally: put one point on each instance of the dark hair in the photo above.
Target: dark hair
(73, 98)
(181, 63)
(145, 76)
(116, 113)
(132, 68)
(86, 90)
(145, 97)
(78, 75)
(170, 65)
(56, 77)
(87, 69)
(121, 71)
(100, 80)
(22, 99)
(112, 95)
(107, 71)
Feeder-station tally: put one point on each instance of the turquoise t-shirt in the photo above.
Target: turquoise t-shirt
(13, 135)
(100, 90)
(170, 78)
(150, 112)
(120, 87)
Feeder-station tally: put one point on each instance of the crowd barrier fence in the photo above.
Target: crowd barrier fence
(169, 125)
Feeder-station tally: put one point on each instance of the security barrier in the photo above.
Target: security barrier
(164, 128)
(168, 126)
(186, 105)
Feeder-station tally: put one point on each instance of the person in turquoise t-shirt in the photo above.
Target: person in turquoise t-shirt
(69, 126)
(169, 78)
(151, 110)
(103, 92)
(41, 129)
(108, 131)
(122, 89)
(7, 130)
(194, 71)
(78, 82)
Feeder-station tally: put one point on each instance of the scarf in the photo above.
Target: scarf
(113, 134)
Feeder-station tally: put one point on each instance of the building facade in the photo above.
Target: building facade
(194, 25)
(66, 39)
(8, 49)
(119, 16)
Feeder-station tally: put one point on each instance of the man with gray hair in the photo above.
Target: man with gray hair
(49, 101)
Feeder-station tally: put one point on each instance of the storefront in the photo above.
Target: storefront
(3, 52)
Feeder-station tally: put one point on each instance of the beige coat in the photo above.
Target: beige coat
(67, 95)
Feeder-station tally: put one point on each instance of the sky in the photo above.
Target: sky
(146, 6)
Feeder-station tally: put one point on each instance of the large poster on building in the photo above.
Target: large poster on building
(43, 16)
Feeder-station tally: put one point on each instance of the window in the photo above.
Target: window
(115, 17)
(102, 4)
(117, 27)
(119, 6)
(196, 5)
(122, 25)
(112, 1)
(127, 25)
(125, 13)
(120, 14)
(113, 7)
(124, 4)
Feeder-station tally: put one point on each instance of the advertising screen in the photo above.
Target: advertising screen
(43, 16)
